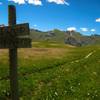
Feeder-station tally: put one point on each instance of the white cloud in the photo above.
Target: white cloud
(18, 1)
(39, 2)
(84, 29)
(98, 20)
(59, 2)
(71, 29)
(92, 30)
(34, 2)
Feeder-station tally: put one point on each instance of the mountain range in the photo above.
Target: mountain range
(67, 37)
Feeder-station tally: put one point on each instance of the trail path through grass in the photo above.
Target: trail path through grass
(86, 57)
(91, 53)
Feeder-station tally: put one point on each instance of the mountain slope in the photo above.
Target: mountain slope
(68, 37)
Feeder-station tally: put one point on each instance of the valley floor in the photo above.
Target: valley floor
(51, 71)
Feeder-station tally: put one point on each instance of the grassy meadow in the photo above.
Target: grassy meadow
(52, 71)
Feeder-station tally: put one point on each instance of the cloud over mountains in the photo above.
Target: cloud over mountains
(71, 29)
(84, 29)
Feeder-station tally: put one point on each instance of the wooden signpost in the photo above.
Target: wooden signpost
(13, 37)
(18, 33)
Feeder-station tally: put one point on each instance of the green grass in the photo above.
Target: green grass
(54, 72)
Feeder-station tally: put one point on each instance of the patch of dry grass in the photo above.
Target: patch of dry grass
(42, 52)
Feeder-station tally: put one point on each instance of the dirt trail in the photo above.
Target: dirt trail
(86, 57)
(91, 53)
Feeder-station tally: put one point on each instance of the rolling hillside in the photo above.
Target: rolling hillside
(72, 38)
(54, 36)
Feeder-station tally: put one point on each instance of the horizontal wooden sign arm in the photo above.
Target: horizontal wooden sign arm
(15, 36)
(15, 30)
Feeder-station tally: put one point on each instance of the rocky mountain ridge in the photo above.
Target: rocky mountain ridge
(68, 37)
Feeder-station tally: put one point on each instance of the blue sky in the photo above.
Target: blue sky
(79, 15)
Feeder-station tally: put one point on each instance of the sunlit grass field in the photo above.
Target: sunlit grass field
(53, 71)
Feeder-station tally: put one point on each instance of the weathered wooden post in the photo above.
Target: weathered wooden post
(12, 37)
(13, 56)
